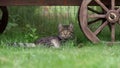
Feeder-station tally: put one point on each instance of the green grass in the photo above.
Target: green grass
(69, 55)
(28, 22)
(88, 56)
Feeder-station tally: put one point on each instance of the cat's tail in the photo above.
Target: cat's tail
(22, 44)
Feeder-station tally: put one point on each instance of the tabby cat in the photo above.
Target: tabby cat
(65, 32)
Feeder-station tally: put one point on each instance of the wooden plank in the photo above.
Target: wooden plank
(39, 2)
(50, 2)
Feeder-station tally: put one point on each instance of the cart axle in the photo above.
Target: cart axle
(112, 16)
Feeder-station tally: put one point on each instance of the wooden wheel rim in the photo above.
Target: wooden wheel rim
(83, 17)
(83, 22)
(4, 19)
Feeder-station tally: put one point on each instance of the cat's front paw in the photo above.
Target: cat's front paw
(56, 43)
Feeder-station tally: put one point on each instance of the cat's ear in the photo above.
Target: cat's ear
(71, 26)
(60, 27)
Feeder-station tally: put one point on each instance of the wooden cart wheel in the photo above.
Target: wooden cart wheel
(4, 18)
(110, 17)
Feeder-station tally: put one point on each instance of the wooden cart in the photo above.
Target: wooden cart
(109, 15)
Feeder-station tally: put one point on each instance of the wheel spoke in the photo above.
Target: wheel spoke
(119, 18)
(102, 5)
(94, 10)
(112, 32)
(112, 4)
(100, 28)
(91, 22)
(118, 9)
(97, 16)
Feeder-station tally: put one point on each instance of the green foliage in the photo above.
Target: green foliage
(31, 33)
(43, 20)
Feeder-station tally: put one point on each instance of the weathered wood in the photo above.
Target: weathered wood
(50, 2)
(40, 2)
(109, 17)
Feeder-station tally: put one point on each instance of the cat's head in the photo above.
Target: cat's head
(65, 31)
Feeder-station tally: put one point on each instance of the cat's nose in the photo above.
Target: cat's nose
(65, 32)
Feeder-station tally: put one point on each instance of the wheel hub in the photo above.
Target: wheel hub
(112, 16)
